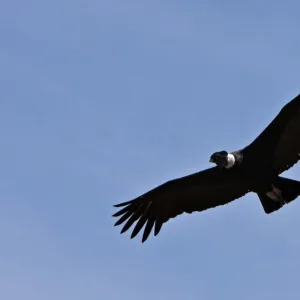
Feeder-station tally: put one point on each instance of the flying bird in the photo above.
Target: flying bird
(255, 168)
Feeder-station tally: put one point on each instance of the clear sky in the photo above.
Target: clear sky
(103, 100)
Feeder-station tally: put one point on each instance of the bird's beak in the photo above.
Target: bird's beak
(211, 161)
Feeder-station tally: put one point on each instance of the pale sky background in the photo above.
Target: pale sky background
(101, 101)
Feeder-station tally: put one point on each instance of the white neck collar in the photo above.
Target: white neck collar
(230, 161)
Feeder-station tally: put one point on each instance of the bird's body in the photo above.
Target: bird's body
(255, 168)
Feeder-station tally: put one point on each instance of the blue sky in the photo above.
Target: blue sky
(103, 100)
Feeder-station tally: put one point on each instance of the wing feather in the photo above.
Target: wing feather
(287, 151)
(280, 141)
(195, 192)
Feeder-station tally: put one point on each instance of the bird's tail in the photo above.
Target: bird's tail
(289, 189)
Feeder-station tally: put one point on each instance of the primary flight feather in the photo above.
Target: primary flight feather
(255, 168)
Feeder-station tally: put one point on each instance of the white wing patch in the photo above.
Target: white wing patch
(230, 161)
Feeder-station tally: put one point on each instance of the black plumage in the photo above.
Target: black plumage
(255, 168)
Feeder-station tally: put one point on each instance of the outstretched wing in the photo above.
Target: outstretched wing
(196, 192)
(281, 139)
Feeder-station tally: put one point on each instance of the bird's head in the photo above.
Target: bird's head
(222, 159)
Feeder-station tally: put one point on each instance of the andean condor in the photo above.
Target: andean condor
(255, 168)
